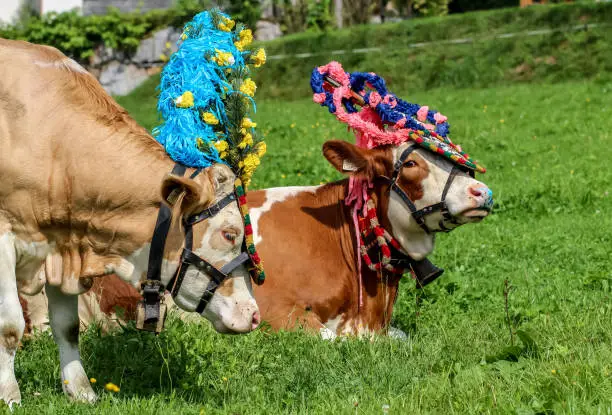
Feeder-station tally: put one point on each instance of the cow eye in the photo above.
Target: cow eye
(410, 163)
(229, 235)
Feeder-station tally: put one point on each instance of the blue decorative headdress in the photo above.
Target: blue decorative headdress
(206, 94)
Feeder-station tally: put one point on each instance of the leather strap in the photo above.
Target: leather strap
(211, 211)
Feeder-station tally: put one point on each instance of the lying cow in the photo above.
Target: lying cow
(307, 240)
(80, 189)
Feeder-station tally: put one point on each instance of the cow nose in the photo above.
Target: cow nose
(482, 194)
(256, 319)
(476, 191)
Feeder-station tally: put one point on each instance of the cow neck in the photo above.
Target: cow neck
(115, 193)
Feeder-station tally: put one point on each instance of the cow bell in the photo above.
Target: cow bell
(425, 272)
(151, 311)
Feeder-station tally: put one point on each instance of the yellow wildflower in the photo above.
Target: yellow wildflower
(66, 382)
(93, 380)
(258, 58)
(248, 87)
(261, 148)
(247, 123)
(553, 371)
(209, 118)
(168, 45)
(247, 140)
(221, 145)
(184, 36)
(246, 37)
(185, 100)
(111, 387)
(163, 57)
(223, 58)
(226, 24)
(224, 379)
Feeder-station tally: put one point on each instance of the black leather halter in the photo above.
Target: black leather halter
(152, 287)
(419, 215)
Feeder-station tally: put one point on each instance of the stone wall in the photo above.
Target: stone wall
(100, 6)
(120, 74)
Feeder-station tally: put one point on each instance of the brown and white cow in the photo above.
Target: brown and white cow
(306, 238)
(81, 184)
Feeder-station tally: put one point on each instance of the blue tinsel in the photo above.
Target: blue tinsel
(190, 69)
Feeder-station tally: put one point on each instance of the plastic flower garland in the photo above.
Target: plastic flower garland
(206, 95)
(205, 98)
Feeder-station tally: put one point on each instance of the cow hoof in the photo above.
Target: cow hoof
(10, 394)
(76, 383)
(84, 394)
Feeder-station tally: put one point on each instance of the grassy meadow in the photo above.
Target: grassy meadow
(547, 150)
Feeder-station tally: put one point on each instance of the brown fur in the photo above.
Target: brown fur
(9, 338)
(26, 316)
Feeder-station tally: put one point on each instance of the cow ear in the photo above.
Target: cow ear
(349, 159)
(190, 192)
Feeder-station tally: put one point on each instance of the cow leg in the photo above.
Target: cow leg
(64, 321)
(11, 321)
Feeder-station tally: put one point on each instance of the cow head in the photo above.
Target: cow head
(218, 240)
(422, 177)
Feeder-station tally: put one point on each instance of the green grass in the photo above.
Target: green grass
(547, 151)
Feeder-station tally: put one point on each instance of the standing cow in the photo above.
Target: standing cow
(80, 186)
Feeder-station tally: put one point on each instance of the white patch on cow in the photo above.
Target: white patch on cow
(272, 196)
(327, 334)
(65, 63)
(333, 323)
(12, 323)
(133, 267)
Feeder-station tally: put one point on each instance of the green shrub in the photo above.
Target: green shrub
(562, 55)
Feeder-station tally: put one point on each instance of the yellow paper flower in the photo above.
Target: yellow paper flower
(226, 24)
(246, 141)
(221, 145)
(258, 58)
(245, 39)
(223, 58)
(209, 118)
(248, 123)
(185, 100)
(248, 87)
(261, 148)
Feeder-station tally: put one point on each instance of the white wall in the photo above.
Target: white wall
(8, 9)
(59, 5)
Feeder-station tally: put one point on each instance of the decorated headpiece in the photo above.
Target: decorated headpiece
(206, 95)
(384, 118)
